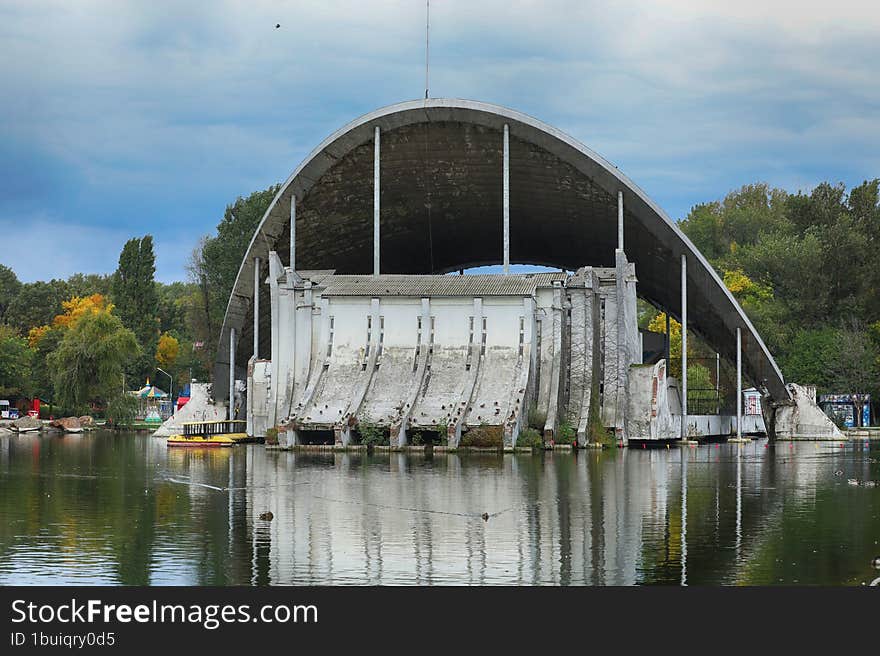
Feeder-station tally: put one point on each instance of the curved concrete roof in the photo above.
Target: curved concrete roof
(441, 210)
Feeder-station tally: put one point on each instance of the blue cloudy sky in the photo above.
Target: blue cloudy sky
(121, 118)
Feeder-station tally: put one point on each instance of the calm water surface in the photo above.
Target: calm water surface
(104, 508)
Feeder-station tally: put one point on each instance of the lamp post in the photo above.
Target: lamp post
(170, 387)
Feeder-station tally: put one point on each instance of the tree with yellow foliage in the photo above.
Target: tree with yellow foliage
(658, 325)
(43, 340)
(167, 350)
(77, 307)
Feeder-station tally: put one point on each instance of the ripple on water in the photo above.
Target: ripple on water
(123, 509)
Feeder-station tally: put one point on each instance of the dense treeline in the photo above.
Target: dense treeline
(80, 342)
(806, 269)
(214, 263)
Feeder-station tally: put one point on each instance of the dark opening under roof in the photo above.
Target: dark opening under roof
(441, 210)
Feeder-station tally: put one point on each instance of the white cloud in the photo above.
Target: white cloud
(177, 108)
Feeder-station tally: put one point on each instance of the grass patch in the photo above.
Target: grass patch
(566, 434)
(530, 437)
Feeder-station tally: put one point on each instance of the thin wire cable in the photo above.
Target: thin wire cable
(427, 43)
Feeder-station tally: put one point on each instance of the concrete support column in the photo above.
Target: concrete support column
(232, 373)
(256, 308)
(506, 183)
(293, 232)
(276, 324)
(739, 390)
(376, 188)
(684, 357)
(620, 220)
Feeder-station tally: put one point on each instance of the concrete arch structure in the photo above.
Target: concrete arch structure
(441, 210)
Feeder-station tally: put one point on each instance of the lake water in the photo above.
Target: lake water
(105, 508)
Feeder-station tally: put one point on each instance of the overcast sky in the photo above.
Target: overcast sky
(119, 118)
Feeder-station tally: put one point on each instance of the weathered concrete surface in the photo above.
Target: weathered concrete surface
(258, 399)
(402, 361)
(629, 350)
(563, 212)
(454, 354)
(199, 408)
(803, 418)
(555, 369)
(648, 413)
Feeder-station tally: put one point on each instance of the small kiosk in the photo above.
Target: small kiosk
(850, 410)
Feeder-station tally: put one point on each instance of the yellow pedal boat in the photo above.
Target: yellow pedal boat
(210, 433)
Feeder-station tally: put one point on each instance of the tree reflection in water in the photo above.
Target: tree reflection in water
(108, 508)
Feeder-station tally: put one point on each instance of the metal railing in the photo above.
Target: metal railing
(711, 385)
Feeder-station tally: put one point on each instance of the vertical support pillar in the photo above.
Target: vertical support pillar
(739, 382)
(684, 342)
(376, 151)
(620, 220)
(256, 308)
(506, 177)
(293, 233)
(232, 373)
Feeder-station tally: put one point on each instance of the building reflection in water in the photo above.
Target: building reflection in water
(593, 518)
(128, 510)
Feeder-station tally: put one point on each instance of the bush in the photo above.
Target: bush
(566, 434)
(530, 437)
(271, 436)
(373, 434)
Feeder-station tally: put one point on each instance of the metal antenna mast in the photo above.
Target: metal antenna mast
(427, 34)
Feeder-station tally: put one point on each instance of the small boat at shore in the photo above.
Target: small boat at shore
(210, 434)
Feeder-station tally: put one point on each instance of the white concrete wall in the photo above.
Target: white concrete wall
(544, 347)
(498, 382)
(258, 398)
(648, 412)
(803, 418)
(198, 408)
(396, 371)
(608, 350)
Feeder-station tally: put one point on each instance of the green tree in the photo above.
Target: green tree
(15, 364)
(812, 268)
(214, 265)
(89, 362)
(9, 288)
(44, 385)
(173, 300)
(36, 304)
(137, 301)
(83, 285)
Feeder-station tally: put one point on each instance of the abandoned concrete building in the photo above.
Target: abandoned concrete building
(351, 308)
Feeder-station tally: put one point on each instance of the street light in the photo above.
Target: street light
(170, 387)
